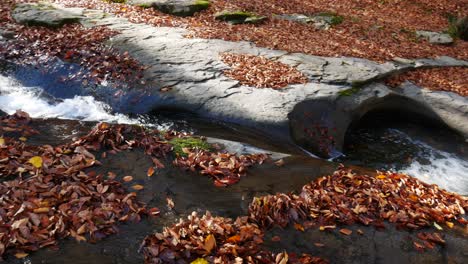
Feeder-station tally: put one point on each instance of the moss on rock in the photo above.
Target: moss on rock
(239, 17)
(188, 142)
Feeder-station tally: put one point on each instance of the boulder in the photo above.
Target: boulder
(320, 21)
(461, 26)
(239, 17)
(46, 15)
(174, 7)
(435, 37)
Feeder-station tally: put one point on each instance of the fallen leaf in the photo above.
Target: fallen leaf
(234, 239)
(346, 231)
(36, 161)
(199, 261)
(319, 244)
(299, 227)
(21, 255)
(127, 178)
(2, 141)
(438, 226)
(170, 203)
(138, 187)
(24, 139)
(210, 243)
(41, 210)
(276, 239)
(279, 163)
(449, 224)
(150, 171)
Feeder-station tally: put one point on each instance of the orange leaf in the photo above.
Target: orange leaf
(234, 239)
(127, 178)
(346, 231)
(150, 171)
(137, 187)
(299, 227)
(210, 243)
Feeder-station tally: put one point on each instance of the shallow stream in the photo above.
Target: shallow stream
(432, 155)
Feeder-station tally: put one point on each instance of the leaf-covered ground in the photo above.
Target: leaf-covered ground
(48, 194)
(452, 79)
(73, 43)
(261, 72)
(377, 30)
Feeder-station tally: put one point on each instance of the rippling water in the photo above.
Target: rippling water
(38, 104)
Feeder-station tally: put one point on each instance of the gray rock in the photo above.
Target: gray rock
(193, 68)
(45, 15)
(321, 21)
(239, 17)
(435, 37)
(316, 115)
(175, 7)
(244, 149)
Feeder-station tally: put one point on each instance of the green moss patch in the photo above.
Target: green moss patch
(239, 17)
(189, 142)
(350, 91)
(335, 19)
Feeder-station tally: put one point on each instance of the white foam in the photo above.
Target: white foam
(14, 96)
(444, 169)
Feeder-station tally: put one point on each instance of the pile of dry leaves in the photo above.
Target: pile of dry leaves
(260, 72)
(53, 198)
(452, 79)
(16, 123)
(347, 198)
(377, 30)
(209, 239)
(71, 43)
(224, 168)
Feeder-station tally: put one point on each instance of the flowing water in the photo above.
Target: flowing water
(437, 158)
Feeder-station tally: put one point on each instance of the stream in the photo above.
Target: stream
(433, 155)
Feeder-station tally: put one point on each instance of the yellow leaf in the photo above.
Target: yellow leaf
(199, 261)
(381, 176)
(36, 161)
(23, 139)
(210, 243)
(449, 224)
(438, 226)
(41, 210)
(21, 255)
(137, 187)
(150, 171)
(2, 141)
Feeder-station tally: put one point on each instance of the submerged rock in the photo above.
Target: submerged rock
(435, 37)
(239, 17)
(46, 15)
(175, 7)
